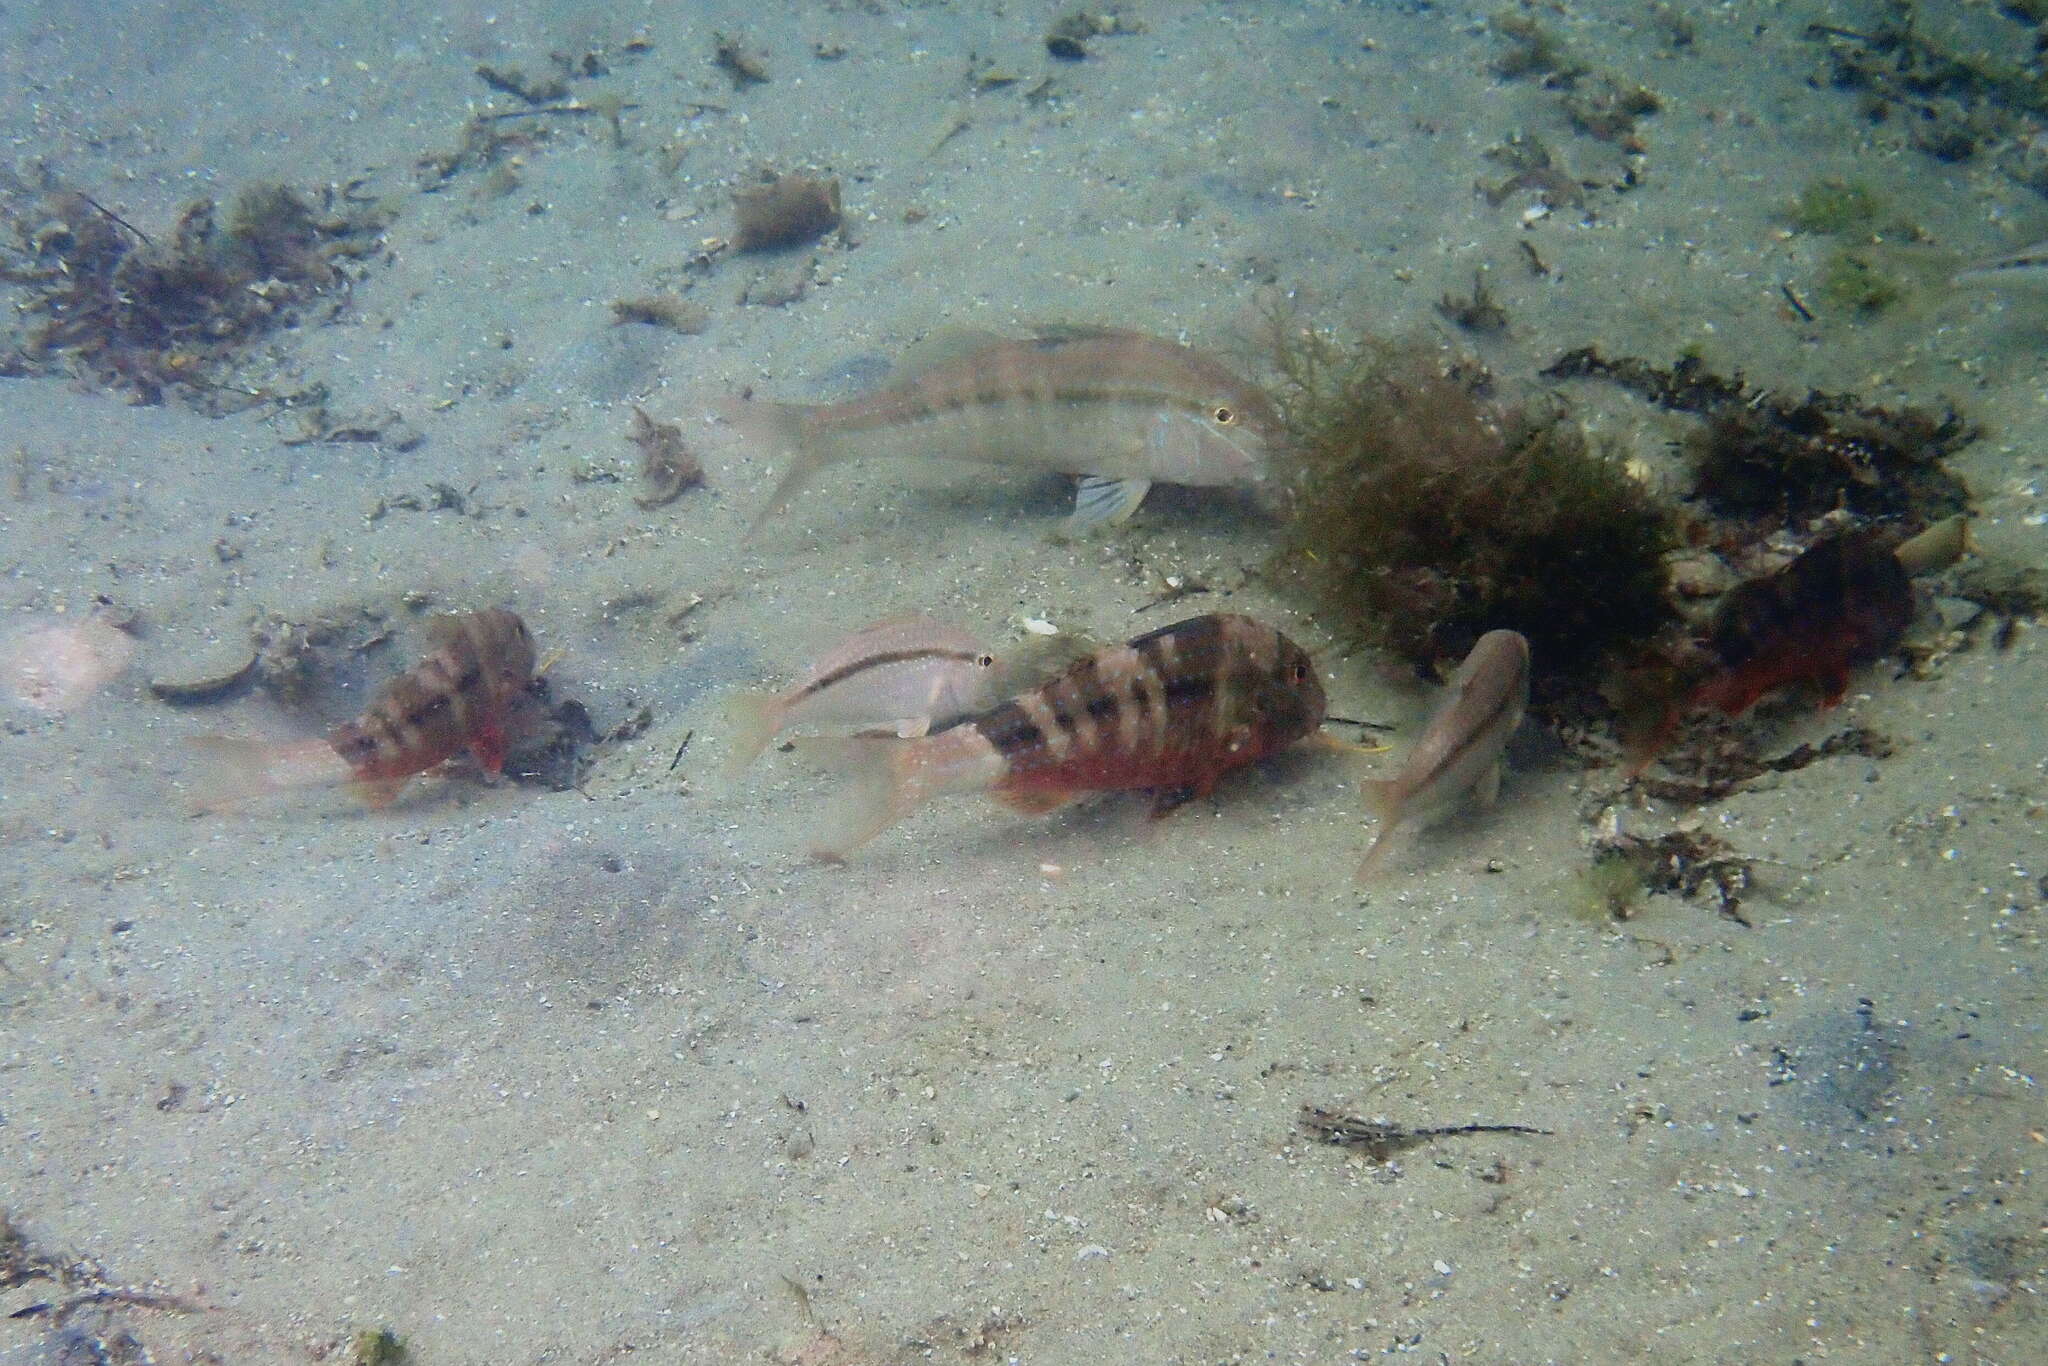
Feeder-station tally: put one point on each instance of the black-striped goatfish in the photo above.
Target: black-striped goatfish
(1121, 409)
(1171, 712)
(1460, 749)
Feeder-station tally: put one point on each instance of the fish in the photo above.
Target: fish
(1122, 409)
(462, 695)
(910, 674)
(1460, 749)
(1845, 600)
(1171, 712)
(2026, 268)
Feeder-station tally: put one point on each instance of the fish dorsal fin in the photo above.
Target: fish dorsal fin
(942, 346)
(1105, 502)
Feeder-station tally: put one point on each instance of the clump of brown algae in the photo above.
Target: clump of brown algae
(1422, 512)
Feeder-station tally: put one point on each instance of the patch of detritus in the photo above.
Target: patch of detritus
(494, 140)
(83, 1308)
(177, 312)
(1599, 104)
(1719, 758)
(1952, 104)
(667, 466)
(1779, 458)
(1626, 867)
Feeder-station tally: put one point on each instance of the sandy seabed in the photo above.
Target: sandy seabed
(616, 1073)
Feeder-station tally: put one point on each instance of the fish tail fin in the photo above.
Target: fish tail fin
(882, 787)
(752, 718)
(1376, 854)
(780, 432)
(236, 769)
(1383, 799)
(1641, 750)
(888, 778)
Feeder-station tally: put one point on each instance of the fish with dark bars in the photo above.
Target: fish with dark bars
(1170, 712)
(1844, 601)
(463, 696)
(1121, 409)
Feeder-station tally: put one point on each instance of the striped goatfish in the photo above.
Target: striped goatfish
(910, 674)
(1460, 749)
(1171, 712)
(1121, 409)
(2026, 268)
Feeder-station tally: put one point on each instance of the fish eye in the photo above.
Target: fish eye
(1297, 673)
(984, 661)
(1225, 416)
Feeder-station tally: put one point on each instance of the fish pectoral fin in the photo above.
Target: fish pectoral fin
(488, 745)
(1487, 789)
(377, 793)
(1104, 502)
(1167, 800)
(1033, 802)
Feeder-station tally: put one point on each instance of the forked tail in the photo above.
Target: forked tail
(751, 717)
(883, 785)
(236, 769)
(780, 432)
(888, 778)
(1382, 798)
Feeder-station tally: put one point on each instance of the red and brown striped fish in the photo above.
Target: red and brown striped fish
(459, 697)
(1171, 712)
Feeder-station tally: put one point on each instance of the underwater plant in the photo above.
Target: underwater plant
(144, 315)
(1830, 204)
(1422, 513)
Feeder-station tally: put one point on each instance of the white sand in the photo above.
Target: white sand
(591, 1077)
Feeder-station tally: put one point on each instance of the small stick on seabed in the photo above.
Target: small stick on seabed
(1381, 1141)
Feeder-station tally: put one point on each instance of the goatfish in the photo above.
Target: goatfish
(909, 674)
(1121, 409)
(1171, 712)
(2026, 268)
(461, 696)
(1844, 601)
(1460, 749)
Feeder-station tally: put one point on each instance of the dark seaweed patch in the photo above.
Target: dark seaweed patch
(174, 313)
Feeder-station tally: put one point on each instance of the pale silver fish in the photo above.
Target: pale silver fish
(2026, 268)
(905, 674)
(1460, 749)
(1121, 409)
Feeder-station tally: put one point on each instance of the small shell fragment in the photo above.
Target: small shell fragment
(1039, 626)
(198, 692)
